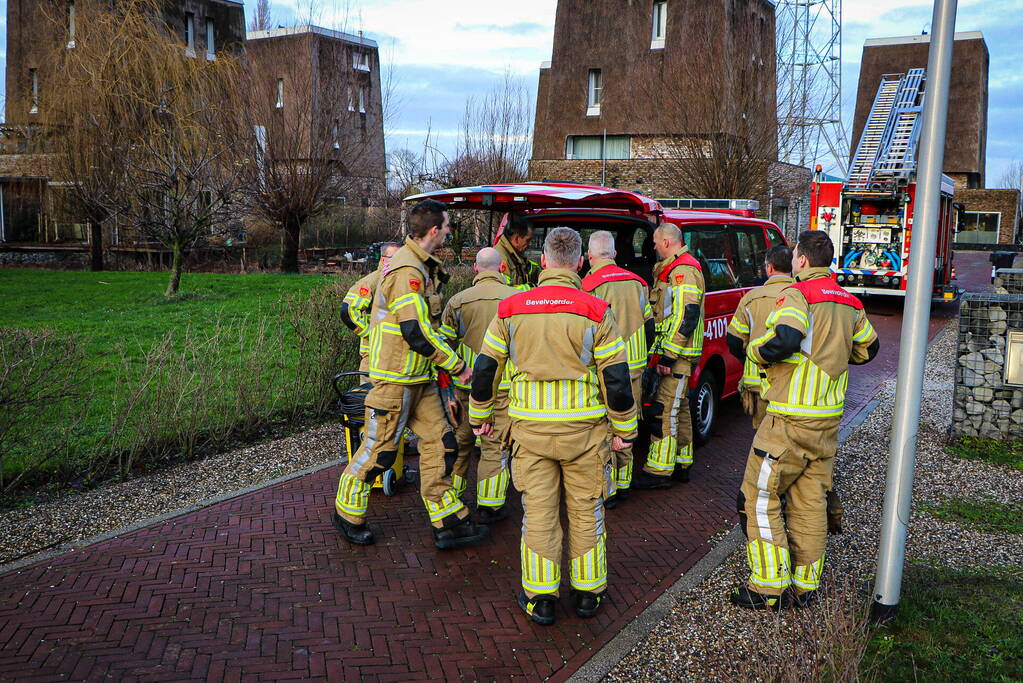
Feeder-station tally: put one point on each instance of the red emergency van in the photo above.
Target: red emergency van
(730, 247)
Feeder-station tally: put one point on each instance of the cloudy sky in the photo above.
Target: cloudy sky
(445, 50)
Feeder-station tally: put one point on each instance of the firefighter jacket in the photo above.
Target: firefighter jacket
(750, 322)
(356, 305)
(469, 313)
(626, 292)
(677, 300)
(815, 331)
(520, 271)
(403, 344)
(569, 360)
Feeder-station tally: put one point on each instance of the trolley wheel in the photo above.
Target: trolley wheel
(410, 475)
(390, 483)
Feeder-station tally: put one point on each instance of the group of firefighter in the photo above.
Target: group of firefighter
(552, 375)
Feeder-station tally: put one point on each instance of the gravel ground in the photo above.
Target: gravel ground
(707, 638)
(87, 514)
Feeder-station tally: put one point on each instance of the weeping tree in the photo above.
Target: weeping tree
(147, 133)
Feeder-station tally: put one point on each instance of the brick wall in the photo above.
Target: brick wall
(1005, 202)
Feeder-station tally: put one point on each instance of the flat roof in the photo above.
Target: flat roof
(923, 38)
(309, 28)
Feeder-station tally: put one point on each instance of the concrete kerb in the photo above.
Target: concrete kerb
(107, 535)
(604, 659)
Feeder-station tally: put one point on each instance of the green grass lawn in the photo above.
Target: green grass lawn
(988, 515)
(954, 626)
(1009, 453)
(119, 317)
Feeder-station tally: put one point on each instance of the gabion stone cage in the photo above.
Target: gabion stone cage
(1008, 281)
(984, 405)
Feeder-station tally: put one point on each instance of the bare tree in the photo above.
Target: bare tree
(315, 131)
(89, 130)
(718, 114)
(1012, 176)
(261, 17)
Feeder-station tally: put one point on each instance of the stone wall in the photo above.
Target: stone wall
(984, 405)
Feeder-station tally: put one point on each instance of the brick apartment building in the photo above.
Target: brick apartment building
(618, 65)
(991, 215)
(332, 75)
(302, 55)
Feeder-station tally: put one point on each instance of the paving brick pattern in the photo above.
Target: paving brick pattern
(260, 587)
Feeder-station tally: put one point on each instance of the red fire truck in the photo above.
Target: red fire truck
(869, 217)
(729, 244)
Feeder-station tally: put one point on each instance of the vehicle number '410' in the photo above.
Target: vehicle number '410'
(715, 328)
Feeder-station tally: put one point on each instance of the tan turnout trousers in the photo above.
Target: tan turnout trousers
(545, 463)
(390, 408)
(793, 458)
(671, 439)
(492, 471)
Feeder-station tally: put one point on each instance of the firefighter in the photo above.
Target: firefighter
(570, 386)
(677, 301)
(520, 271)
(404, 350)
(750, 322)
(466, 318)
(815, 331)
(626, 293)
(356, 305)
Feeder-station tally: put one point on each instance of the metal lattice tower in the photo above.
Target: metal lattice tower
(809, 50)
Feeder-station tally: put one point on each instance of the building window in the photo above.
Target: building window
(351, 99)
(360, 60)
(335, 133)
(593, 91)
(598, 147)
(70, 24)
(280, 93)
(979, 227)
(33, 75)
(211, 48)
(190, 34)
(660, 25)
(362, 100)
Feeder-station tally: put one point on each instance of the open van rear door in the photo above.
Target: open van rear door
(526, 196)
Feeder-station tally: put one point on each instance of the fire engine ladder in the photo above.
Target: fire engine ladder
(873, 132)
(897, 157)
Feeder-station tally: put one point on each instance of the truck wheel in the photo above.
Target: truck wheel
(703, 405)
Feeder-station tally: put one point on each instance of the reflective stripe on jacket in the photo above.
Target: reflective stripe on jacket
(409, 290)
(563, 344)
(750, 320)
(469, 313)
(678, 282)
(812, 382)
(626, 292)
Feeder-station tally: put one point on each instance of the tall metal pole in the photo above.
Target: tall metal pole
(913, 347)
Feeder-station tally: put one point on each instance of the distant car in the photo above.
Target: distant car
(730, 247)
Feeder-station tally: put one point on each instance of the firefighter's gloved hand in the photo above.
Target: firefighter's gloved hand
(664, 366)
(486, 429)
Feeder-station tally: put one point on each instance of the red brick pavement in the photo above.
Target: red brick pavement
(260, 587)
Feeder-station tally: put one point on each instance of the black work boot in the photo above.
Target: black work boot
(611, 502)
(750, 599)
(681, 474)
(622, 494)
(359, 534)
(540, 608)
(489, 515)
(645, 481)
(586, 603)
(793, 598)
(461, 534)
